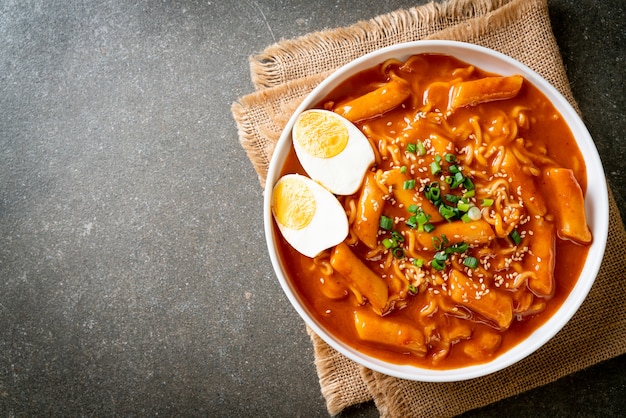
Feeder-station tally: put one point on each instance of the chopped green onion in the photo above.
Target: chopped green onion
(412, 289)
(454, 169)
(465, 218)
(447, 212)
(398, 252)
(386, 223)
(409, 184)
(437, 265)
(420, 148)
(452, 198)
(515, 236)
(418, 220)
(440, 256)
(413, 208)
(433, 193)
(435, 168)
(487, 202)
(395, 235)
(450, 158)
(403, 169)
(469, 193)
(474, 213)
(468, 183)
(428, 227)
(418, 262)
(471, 262)
(457, 180)
(459, 247)
(411, 147)
(438, 158)
(463, 206)
(437, 243)
(422, 218)
(389, 243)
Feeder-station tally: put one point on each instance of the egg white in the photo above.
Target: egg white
(343, 173)
(328, 226)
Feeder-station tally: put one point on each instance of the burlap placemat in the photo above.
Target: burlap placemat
(285, 72)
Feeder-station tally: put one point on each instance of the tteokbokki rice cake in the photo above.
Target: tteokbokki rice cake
(430, 213)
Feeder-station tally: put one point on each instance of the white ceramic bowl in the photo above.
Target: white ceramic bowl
(596, 206)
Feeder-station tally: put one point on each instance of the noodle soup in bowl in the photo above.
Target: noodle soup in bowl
(436, 211)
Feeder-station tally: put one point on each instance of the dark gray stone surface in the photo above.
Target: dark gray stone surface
(134, 278)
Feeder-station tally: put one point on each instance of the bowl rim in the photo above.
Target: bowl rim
(596, 204)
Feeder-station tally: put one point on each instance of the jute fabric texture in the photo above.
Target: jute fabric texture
(284, 73)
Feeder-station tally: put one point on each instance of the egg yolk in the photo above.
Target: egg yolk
(321, 135)
(293, 203)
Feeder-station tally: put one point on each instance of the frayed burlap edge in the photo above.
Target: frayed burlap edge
(338, 393)
(330, 49)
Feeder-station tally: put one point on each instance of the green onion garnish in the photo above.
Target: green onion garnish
(463, 206)
(398, 252)
(411, 147)
(435, 168)
(420, 148)
(471, 262)
(422, 218)
(403, 169)
(487, 202)
(515, 236)
(386, 223)
(437, 265)
(437, 244)
(457, 180)
(448, 212)
(450, 158)
(459, 247)
(440, 256)
(409, 184)
(395, 235)
(433, 193)
(474, 213)
(452, 198)
(428, 227)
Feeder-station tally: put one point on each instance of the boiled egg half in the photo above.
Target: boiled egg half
(332, 150)
(309, 217)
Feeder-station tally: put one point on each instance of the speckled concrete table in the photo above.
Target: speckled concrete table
(134, 278)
